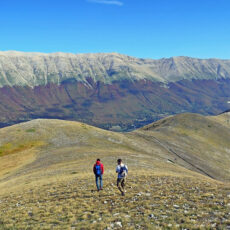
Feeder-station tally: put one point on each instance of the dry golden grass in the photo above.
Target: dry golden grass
(14, 157)
(200, 141)
(10, 163)
(152, 201)
(46, 179)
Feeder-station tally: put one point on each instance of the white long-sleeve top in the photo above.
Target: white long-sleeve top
(121, 173)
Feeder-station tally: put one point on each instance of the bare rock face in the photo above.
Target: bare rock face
(33, 69)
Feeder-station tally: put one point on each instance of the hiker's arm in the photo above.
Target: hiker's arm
(117, 169)
(102, 168)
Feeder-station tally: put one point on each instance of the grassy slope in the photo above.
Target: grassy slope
(56, 185)
(64, 147)
(201, 142)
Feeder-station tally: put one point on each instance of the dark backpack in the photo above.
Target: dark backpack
(122, 169)
(98, 170)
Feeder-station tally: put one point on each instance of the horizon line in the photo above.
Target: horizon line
(11, 52)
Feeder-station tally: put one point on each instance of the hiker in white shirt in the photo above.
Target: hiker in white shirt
(122, 171)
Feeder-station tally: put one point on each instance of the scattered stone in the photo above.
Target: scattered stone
(18, 204)
(105, 202)
(119, 224)
(151, 216)
(30, 213)
(154, 205)
(176, 206)
(214, 225)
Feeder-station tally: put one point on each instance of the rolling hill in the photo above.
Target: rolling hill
(111, 91)
(178, 175)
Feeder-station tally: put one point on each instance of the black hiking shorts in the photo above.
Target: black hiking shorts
(121, 182)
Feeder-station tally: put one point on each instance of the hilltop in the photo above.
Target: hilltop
(189, 141)
(178, 174)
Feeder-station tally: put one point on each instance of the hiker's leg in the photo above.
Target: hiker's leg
(101, 182)
(119, 185)
(123, 184)
(97, 182)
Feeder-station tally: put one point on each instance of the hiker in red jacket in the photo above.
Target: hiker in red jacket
(98, 170)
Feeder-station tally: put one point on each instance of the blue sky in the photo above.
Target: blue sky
(141, 28)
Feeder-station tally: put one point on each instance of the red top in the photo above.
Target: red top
(102, 167)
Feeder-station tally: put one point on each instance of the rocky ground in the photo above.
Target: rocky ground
(151, 202)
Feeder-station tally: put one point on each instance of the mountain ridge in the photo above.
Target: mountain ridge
(22, 53)
(33, 69)
(109, 89)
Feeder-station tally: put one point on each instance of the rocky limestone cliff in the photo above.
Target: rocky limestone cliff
(33, 69)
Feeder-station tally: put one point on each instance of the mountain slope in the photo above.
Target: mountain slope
(60, 147)
(33, 69)
(46, 178)
(191, 141)
(201, 142)
(107, 90)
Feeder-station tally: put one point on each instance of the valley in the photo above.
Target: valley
(110, 91)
